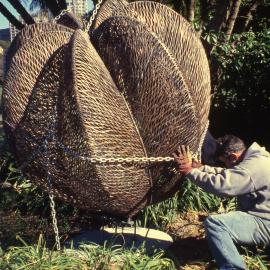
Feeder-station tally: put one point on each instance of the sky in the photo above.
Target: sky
(4, 21)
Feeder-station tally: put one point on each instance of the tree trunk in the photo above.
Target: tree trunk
(220, 17)
(62, 4)
(12, 19)
(204, 11)
(178, 5)
(53, 7)
(246, 16)
(190, 9)
(206, 7)
(232, 18)
(22, 11)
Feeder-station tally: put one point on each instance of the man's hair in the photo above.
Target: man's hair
(229, 144)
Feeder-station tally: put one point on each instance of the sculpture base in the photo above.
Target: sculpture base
(125, 236)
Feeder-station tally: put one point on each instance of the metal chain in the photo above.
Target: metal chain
(54, 220)
(51, 197)
(93, 16)
(111, 160)
(141, 160)
(60, 15)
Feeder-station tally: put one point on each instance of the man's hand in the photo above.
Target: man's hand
(183, 158)
(196, 164)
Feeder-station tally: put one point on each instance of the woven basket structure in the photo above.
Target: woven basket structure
(136, 85)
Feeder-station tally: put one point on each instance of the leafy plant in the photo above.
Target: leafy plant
(192, 197)
(242, 93)
(89, 256)
(18, 193)
(4, 44)
(38, 257)
(159, 215)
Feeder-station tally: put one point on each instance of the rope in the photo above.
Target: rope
(199, 151)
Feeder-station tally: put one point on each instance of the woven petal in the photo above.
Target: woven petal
(96, 122)
(37, 132)
(25, 67)
(107, 10)
(182, 41)
(145, 71)
(27, 34)
(72, 21)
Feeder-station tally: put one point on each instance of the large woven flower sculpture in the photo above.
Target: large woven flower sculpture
(137, 85)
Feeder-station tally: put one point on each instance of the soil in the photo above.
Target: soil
(190, 250)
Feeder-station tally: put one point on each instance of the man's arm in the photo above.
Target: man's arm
(211, 169)
(216, 180)
(219, 181)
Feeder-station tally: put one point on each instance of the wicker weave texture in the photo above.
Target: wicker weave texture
(96, 121)
(34, 136)
(35, 46)
(161, 106)
(107, 9)
(182, 41)
(138, 87)
(27, 34)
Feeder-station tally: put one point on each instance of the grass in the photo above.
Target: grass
(88, 256)
(256, 261)
(106, 257)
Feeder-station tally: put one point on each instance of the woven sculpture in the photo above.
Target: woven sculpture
(139, 87)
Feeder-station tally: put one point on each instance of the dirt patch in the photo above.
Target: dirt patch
(29, 228)
(190, 249)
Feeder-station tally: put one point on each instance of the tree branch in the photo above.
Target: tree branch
(22, 11)
(220, 17)
(206, 7)
(190, 9)
(11, 18)
(246, 16)
(232, 18)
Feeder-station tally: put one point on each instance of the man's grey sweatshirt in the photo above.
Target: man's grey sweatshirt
(249, 181)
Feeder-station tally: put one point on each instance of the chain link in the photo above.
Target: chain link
(54, 221)
(118, 160)
(49, 177)
(142, 160)
(93, 16)
(60, 15)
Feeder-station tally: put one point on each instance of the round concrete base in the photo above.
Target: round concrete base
(125, 236)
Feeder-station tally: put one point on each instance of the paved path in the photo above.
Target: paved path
(126, 236)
